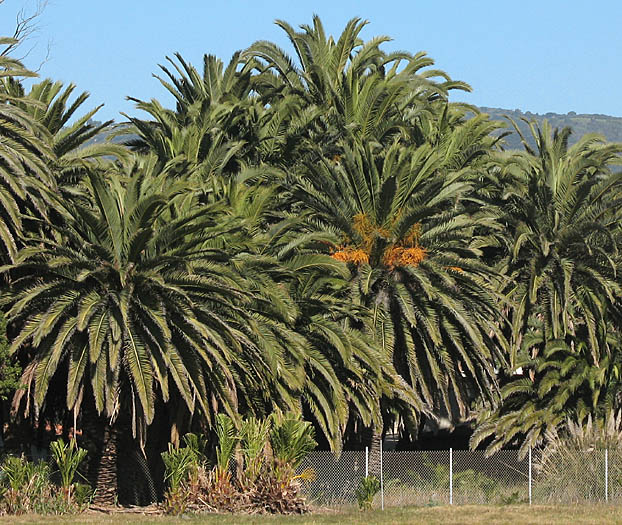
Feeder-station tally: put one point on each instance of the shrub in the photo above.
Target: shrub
(269, 452)
(366, 491)
(182, 465)
(278, 489)
(67, 457)
(26, 486)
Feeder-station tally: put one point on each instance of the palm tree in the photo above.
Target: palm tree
(324, 66)
(562, 383)
(128, 304)
(75, 145)
(562, 242)
(344, 375)
(561, 265)
(24, 157)
(337, 371)
(197, 132)
(355, 87)
(401, 219)
(219, 123)
(367, 96)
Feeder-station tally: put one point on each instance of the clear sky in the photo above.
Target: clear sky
(539, 56)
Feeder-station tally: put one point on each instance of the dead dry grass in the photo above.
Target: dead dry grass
(467, 515)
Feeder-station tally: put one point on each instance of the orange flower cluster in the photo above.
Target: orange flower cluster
(400, 256)
(455, 269)
(351, 255)
(368, 230)
(406, 253)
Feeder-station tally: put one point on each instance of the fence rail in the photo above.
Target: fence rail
(460, 477)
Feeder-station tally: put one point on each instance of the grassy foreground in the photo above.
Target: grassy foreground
(468, 514)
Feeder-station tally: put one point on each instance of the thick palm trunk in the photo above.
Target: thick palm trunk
(374, 443)
(105, 481)
(100, 440)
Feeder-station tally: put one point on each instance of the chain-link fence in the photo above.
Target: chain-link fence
(336, 477)
(467, 477)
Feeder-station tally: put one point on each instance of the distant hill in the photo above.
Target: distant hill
(609, 127)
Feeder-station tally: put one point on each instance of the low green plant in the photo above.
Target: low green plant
(180, 464)
(434, 478)
(291, 439)
(221, 492)
(227, 441)
(473, 481)
(197, 443)
(26, 487)
(268, 453)
(254, 434)
(368, 487)
(511, 499)
(68, 457)
(18, 473)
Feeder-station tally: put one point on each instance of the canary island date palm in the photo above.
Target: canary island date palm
(129, 304)
(563, 382)
(400, 219)
(357, 87)
(195, 132)
(332, 369)
(219, 123)
(322, 64)
(344, 374)
(24, 156)
(77, 146)
(562, 218)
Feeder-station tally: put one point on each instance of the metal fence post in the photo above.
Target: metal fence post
(530, 478)
(606, 474)
(451, 476)
(366, 461)
(381, 479)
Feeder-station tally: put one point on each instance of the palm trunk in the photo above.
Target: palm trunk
(100, 439)
(374, 444)
(136, 485)
(106, 482)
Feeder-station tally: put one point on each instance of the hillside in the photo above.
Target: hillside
(610, 127)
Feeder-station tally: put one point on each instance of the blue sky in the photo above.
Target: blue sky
(540, 56)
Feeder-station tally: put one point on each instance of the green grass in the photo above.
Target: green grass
(467, 514)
